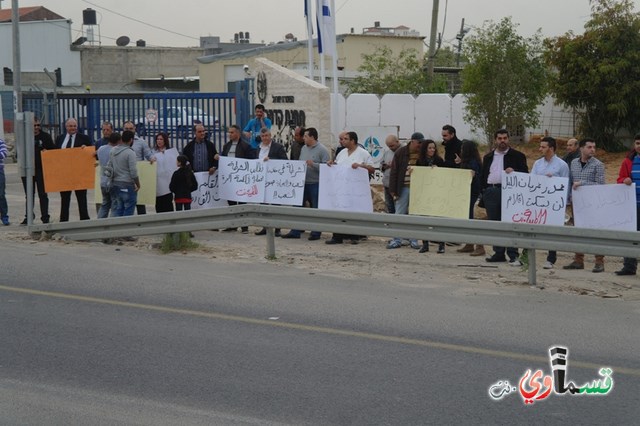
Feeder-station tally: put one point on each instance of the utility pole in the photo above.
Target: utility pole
(459, 37)
(17, 69)
(432, 39)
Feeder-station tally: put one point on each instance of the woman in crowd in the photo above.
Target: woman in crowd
(429, 157)
(166, 165)
(470, 159)
(630, 173)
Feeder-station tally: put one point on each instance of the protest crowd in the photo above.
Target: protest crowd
(254, 168)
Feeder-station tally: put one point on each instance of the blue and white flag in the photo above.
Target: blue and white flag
(326, 27)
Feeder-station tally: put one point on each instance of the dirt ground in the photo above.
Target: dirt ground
(370, 258)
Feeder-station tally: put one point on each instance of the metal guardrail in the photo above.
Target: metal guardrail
(532, 237)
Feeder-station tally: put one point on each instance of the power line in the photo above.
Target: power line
(140, 22)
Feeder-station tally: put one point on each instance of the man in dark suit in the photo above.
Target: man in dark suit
(73, 139)
(502, 159)
(237, 148)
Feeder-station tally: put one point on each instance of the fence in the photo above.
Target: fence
(173, 113)
(532, 237)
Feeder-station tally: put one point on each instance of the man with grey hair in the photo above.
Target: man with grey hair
(268, 150)
(572, 151)
(400, 179)
(73, 139)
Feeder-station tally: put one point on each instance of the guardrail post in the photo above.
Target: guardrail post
(532, 266)
(271, 243)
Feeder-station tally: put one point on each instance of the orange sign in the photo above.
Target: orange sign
(69, 169)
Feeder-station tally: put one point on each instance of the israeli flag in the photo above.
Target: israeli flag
(326, 28)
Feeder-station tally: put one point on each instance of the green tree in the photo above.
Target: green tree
(598, 72)
(505, 79)
(383, 72)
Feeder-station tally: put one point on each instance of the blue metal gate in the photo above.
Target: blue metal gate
(173, 113)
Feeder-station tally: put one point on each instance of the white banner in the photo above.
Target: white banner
(207, 195)
(285, 182)
(605, 207)
(534, 199)
(344, 188)
(241, 180)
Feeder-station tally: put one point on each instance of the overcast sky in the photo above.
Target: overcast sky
(181, 23)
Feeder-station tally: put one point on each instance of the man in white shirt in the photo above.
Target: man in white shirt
(550, 165)
(355, 156)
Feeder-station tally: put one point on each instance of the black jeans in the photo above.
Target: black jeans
(492, 197)
(38, 186)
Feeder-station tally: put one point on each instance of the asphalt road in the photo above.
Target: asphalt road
(94, 334)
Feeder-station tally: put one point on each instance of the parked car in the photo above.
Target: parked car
(178, 121)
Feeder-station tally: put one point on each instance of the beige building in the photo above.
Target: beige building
(217, 71)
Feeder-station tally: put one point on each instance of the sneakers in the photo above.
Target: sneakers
(415, 244)
(333, 241)
(599, 267)
(394, 244)
(574, 265)
(5, 221)
(515, 262)
(425, 248)
(547, 265)
(440, 248)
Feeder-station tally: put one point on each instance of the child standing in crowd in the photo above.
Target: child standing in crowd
(183, 183)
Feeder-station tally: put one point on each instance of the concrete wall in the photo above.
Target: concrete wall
(117, 68)
(291, 96)
(43, 44)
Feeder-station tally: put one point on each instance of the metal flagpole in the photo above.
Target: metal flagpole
(309, 16)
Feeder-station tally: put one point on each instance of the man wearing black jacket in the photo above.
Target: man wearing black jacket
(502, 159)
(201, 152)
(452, 146)
(42, 141)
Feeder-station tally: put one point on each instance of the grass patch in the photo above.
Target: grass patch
(177, 242)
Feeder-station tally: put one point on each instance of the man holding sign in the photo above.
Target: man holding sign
(356, 157)
(236, 148)
(550, 165)
(503, 159)
(73, 139)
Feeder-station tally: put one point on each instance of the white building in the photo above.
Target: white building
(45, 38)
